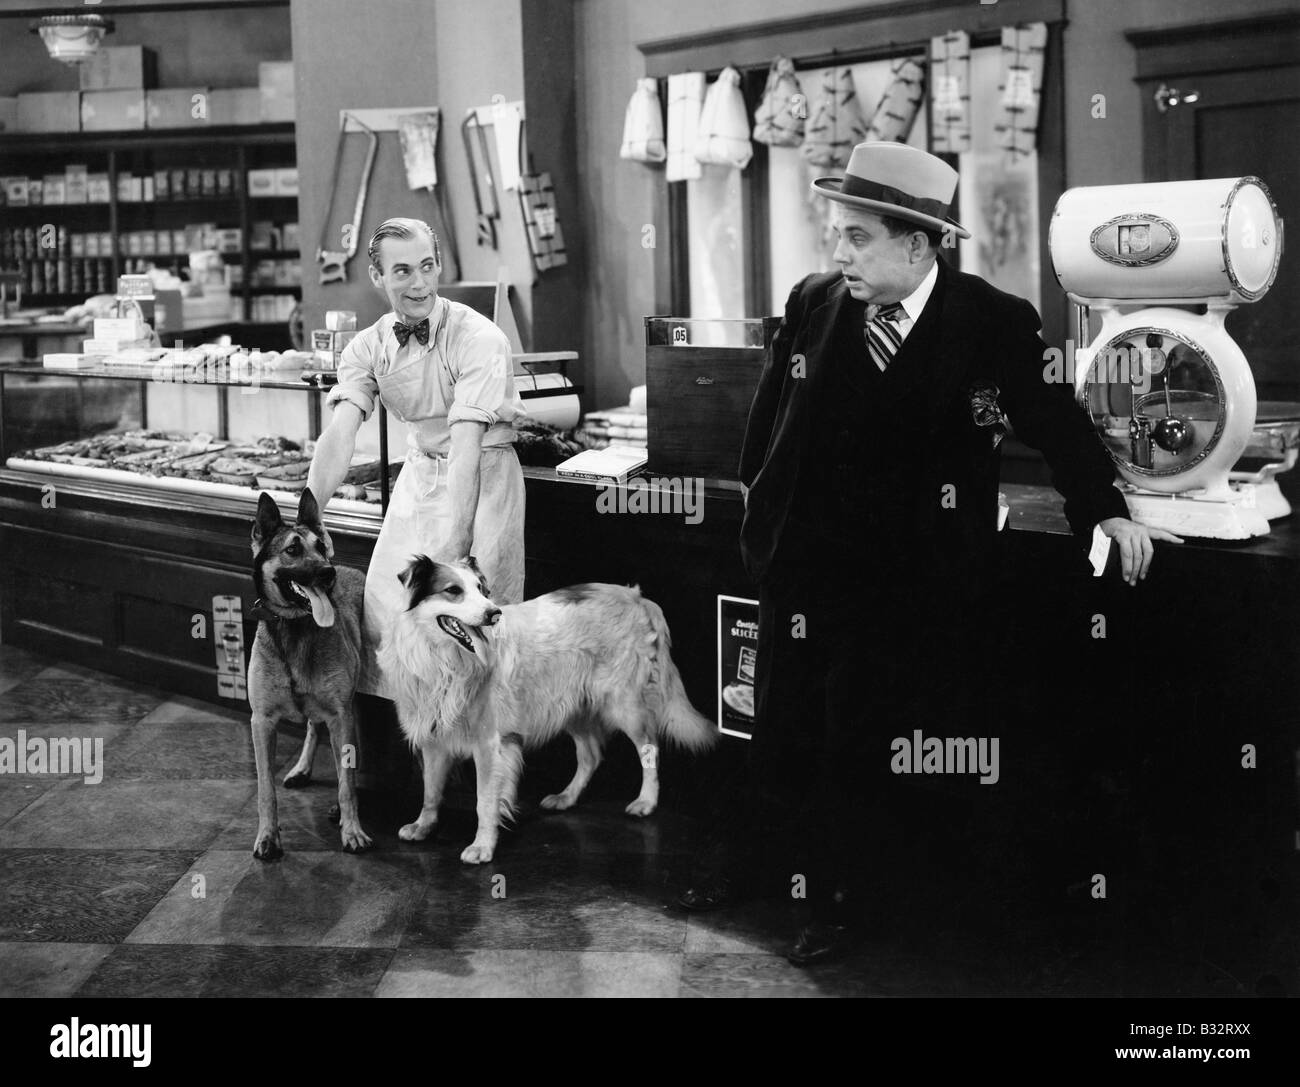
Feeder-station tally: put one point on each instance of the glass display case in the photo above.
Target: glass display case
(197, 434)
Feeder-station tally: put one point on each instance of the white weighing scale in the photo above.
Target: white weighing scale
(1170, 392)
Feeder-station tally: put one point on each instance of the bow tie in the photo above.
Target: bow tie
(403, 332)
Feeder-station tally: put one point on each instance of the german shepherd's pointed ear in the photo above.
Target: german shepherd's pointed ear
(268, 522)
(309, 517)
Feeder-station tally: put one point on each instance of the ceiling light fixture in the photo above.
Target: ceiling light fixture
(72, 39)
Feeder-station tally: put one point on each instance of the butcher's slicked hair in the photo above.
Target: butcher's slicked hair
(405, 229)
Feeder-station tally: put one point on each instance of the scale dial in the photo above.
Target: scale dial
(1171, 397)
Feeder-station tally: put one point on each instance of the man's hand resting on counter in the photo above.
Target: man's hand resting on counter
(1135, 547)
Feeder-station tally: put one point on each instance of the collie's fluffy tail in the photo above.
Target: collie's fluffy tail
(678, 719)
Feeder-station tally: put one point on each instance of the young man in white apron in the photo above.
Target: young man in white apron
(446, 372)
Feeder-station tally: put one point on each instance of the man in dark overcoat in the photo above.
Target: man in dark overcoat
(871, 462)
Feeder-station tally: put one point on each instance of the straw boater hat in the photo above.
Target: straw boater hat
(893, 179)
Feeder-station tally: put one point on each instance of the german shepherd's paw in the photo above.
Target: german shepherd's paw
(267, 846)
(640, 808)
(297, 779)
(417, 831)
(557, 802)
(356, 840)
(477, 854)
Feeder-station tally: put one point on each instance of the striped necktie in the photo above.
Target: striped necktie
(883, 335)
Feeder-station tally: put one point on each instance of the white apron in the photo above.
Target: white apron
(418, 522)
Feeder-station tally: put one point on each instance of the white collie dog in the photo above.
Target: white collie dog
(474, 679)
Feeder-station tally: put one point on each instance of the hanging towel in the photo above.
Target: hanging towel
(896, 113)
(723, 137)
(643, 125)
(685, 99)
(1021, 88)
(779, 120)
(950, 93)
(836, 125)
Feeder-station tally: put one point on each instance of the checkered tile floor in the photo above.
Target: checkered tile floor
(144, 884)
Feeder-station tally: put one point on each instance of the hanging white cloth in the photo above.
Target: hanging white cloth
(685, 100)
(897, 111)
(723, 136)
(950, 93)
(780, 117)
(1021, 89)
(836, 126)
(643, 125)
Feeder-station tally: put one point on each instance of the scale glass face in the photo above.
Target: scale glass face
(1157, 401)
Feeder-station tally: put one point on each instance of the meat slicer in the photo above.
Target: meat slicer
(1170, 392)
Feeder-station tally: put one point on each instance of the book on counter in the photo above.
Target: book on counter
(611, 465)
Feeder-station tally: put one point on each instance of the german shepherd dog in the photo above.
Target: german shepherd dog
(306, 658)
(471, 678)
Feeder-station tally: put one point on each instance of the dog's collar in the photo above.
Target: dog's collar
(261, 611)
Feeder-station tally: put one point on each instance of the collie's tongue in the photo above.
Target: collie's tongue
(321, 608)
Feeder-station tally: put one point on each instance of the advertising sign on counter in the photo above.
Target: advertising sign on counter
(737, 652)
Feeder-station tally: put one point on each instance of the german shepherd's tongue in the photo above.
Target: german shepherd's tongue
(322, 609)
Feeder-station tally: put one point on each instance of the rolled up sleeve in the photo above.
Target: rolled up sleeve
(484, 389)
(357, 384)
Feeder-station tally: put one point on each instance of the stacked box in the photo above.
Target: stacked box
(275, 83)
(177, 107)
(235, 106)
(112, 111)
(119, 67)
(49, 111)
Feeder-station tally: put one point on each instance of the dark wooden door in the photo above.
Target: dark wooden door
(1245, 120)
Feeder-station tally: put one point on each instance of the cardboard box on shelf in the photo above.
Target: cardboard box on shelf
(264, 235)
(49, 111)
(177, 107)
(55, 189)
(178, 188)
(35, 190)
(163, 243)
(119, 67)
(289, 234)
(230, 240)
(235, 106)
(16, 191)
(112, 111)
(179, 246)
(261, 182)
(76, 179)
(124, 188)
(97, 189)
(275, 83)
(286, 181)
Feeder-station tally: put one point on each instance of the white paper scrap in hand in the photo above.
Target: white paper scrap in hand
(1099, 551)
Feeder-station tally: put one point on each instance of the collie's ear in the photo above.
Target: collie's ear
(418, 565)
(472, 563)
(267, 523)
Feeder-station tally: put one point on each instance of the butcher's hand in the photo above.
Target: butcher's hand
(1135, 545)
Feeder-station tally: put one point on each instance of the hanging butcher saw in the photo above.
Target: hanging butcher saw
(487, 212)
(334, 262)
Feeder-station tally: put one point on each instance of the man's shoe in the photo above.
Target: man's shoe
(708, 895)
(821, 942)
